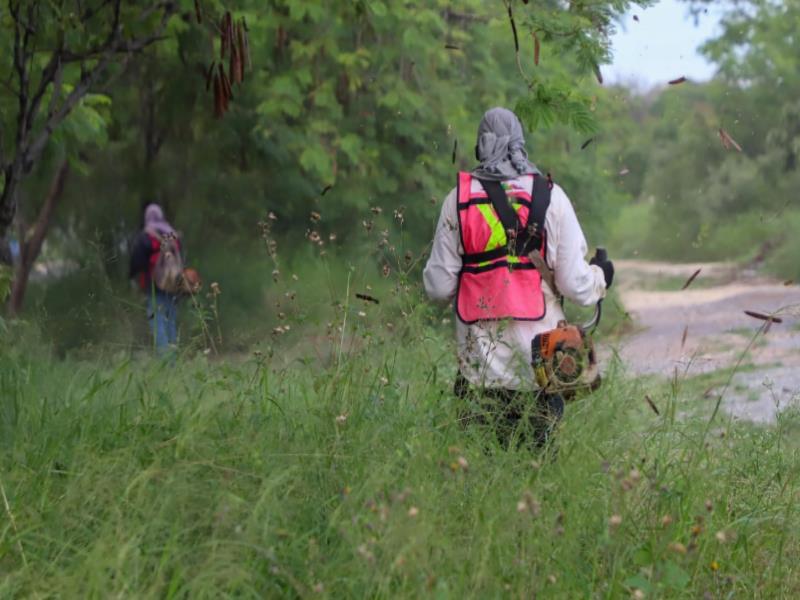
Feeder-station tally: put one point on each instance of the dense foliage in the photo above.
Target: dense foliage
(351, 121)
(353, 118)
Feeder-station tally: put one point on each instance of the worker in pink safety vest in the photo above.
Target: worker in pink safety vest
(502, 298)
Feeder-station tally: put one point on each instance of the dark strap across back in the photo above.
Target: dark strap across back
(527, 238)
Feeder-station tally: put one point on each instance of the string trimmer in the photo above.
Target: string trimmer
(563, 358)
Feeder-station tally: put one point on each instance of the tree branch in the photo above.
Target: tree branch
(33, 151)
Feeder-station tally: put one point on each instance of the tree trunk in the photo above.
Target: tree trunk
(8, 201)
(30, 248)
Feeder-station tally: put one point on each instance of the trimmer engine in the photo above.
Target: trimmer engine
(564, 360)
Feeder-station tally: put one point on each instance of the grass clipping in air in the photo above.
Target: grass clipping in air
(357, 480)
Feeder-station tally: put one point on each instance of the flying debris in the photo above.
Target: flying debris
(728, 141)
(691, 279)
(368, 298)
(763, 317)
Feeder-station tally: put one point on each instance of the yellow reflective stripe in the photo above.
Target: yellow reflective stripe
(498, 236)
(509, 259)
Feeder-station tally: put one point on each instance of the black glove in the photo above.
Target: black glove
(600, 259)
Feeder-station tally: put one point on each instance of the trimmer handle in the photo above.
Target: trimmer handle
(601, 254)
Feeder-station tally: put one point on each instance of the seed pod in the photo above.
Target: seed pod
(536, 49)
(247, 45)
(209, 75)
(233, 66)
(223, 38)
(226, 83)
(241, 49)
(598, 74)
(219, 97)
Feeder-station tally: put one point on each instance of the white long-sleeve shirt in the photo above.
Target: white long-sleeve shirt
(497, 354)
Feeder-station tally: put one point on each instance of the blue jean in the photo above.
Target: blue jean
(162, 312)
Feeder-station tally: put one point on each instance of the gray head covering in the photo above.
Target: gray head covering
(501, 147)
(155, 223)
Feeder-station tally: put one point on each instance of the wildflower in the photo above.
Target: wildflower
(637, 594)
(318, 588)
(709, 506)
(313, 237)
(386, 270)
(552, 579)
(376, 210)
(714, 565)
(529, 504)
(275, 274)
(614, 521)
(271, 216)
(413, 512)
(341, 419)
(365, 553)
(332, 237)
(721, 536)
(635, 475)
(295, 277)
(361, 313)
(314, 216)
(677, 547)
(367, 225)
(666, 520)
(697, 530)
(215, 289)
(462, 462)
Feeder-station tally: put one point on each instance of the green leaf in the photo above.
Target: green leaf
(675, 577)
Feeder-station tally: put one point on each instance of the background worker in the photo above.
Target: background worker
(156, 264)
(501, 299)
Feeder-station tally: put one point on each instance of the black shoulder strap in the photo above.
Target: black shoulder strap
(541, 202)
(529, 238)
(506, 213)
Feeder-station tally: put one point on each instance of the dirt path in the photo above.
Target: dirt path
(711, 312)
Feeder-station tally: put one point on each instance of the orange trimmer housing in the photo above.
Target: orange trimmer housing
(564, 360)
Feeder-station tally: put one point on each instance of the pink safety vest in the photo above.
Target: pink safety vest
(493, 283)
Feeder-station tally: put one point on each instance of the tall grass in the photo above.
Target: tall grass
(308, 476)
